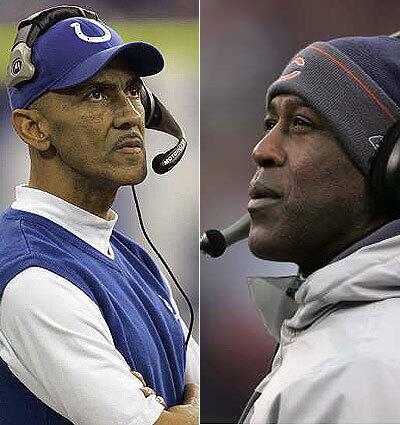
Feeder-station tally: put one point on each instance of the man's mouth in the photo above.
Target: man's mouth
(261, 196)
(258, 190)
(130, 144)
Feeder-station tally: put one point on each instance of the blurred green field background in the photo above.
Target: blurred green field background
(177, 40)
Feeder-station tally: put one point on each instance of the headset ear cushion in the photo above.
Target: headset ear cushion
(144, 98)
(385, 168)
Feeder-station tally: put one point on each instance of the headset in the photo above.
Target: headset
(384, 176)
(157, 117)
(385, 169)
(20, 68)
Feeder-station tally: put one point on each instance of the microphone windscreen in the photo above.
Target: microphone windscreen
(213, 243)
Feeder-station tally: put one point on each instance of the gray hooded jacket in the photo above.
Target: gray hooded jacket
(339, 354)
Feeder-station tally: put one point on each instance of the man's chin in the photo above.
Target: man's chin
(132, 179)
(138, 179)
(265, 247)
(259, 250)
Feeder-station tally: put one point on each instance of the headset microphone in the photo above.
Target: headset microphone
(214, 242)
(159, 118)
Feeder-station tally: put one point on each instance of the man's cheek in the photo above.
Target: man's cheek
(93, 118)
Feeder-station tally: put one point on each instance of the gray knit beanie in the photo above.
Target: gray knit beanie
(354, 83)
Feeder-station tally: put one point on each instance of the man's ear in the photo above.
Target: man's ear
(31, 127)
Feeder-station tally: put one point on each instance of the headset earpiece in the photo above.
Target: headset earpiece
(385, 169)
(147, 99)
(20, 67)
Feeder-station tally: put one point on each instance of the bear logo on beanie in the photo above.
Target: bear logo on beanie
(299, 61)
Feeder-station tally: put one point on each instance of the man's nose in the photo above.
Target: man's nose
(269, 151)
(128, 113)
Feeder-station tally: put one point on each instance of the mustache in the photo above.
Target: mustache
(131, 139)
(260, 190)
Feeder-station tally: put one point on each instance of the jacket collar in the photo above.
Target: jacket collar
(387, 231)
(270, 296)
(354, 275)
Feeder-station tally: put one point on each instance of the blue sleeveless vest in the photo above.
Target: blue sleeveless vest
(129, 291)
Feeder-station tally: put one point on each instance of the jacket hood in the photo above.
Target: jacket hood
(370, 273)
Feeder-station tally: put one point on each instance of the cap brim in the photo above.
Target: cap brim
(144, 58)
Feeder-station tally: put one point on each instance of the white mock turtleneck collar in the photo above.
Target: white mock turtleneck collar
(90, 228)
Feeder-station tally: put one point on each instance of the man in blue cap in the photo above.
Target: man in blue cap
(89, 332)
(326, 196)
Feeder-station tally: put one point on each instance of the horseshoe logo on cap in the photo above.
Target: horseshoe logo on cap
(77, 27)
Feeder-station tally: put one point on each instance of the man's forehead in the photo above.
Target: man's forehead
(287, 102)
(116, 73)
(117, 68)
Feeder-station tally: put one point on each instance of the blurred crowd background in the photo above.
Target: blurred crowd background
(244, 47)
(169, 203)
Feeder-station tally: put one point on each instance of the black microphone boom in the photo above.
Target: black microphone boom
(214, 242)
(159, 118)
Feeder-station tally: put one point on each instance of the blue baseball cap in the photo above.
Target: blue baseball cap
(74, 50)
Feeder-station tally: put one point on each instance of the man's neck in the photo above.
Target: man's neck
(345, 248)
(95, 198)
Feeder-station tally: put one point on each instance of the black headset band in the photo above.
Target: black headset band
(30, 28)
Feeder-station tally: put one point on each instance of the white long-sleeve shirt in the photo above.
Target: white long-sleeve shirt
(55, 340)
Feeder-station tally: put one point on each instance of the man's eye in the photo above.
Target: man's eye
(269, 125)
(301, 122)
(96, 95)
(134, 90)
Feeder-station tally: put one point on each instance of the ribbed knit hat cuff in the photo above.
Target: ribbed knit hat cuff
(357, 108)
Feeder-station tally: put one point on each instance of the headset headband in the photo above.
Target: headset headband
(20, 67)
